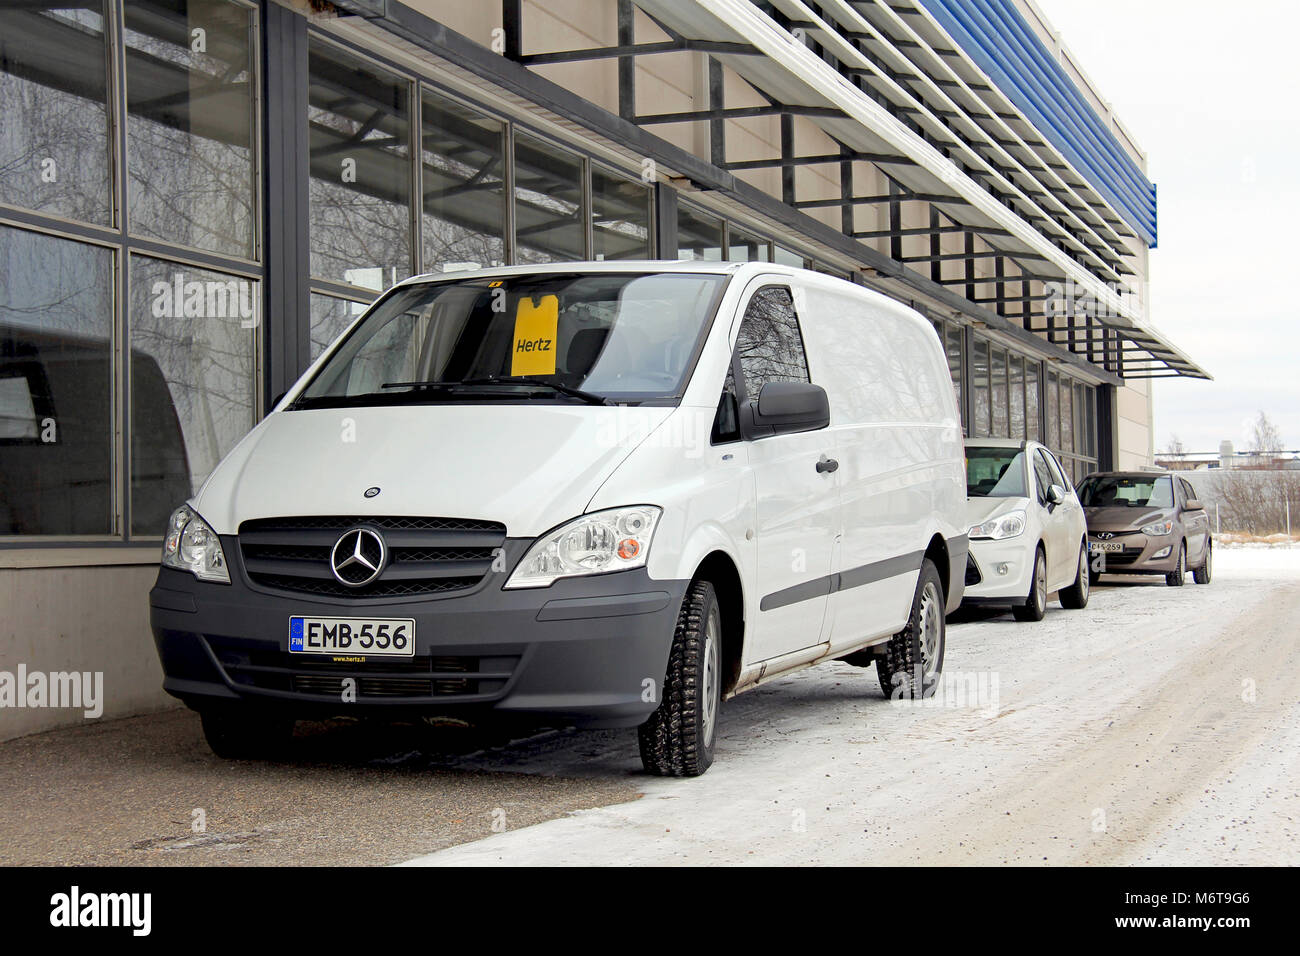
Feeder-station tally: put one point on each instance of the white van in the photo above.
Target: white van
(610, 494)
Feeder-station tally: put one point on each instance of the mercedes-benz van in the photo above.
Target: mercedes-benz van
(605, 494)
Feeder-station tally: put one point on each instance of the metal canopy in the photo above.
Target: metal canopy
(885, 83)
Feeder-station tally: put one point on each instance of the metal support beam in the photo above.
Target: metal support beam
(717, 127)
(512, 23)
(787, 152)
(626, 64)
(740, 112)
(824, 158)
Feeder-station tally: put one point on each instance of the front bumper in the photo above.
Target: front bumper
(1137, 556)
(581, 651)
(1016, 555)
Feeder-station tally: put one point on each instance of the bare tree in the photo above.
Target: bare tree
(1175, 446)
(1264, 436)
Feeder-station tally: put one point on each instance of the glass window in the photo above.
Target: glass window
(770, 345)
(548, 203)
(1127, 491)
(191, 89)
(329, 317)
(1067, 417)
(1053, 413)
(699, 235)
(980, 374)
(620, 216)
(56, 386)
(545, 337)
(952, 346)
(1016, 384)
(995, 472)
(1000, 400)
(1042, 475)
(1032, 410)
(359, 135)
(744, 246)
(788, 258)
(464, 203)
(193, 380)
(54, 129)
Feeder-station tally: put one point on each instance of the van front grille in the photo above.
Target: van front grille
(425, 555)
(408, 678)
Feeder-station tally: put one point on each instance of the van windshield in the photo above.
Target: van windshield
(602, 338)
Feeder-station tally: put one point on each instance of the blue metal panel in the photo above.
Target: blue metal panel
(1003, 45)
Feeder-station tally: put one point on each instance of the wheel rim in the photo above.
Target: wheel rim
(930, 626)
(1084, 584)
(712, 669)
(1040, 582)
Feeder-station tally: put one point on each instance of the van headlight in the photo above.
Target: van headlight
(1158, 528)
(1003, 526)
(598, 543)
(192, 546)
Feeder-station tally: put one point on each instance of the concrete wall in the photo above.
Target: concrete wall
(80, 619)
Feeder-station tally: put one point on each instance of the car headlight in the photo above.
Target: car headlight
(1158, 528)
(192, 546)
(1004, 526)
(598, 543)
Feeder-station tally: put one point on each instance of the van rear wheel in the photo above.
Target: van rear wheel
(679, 737)
(913, 657)
(235, 733)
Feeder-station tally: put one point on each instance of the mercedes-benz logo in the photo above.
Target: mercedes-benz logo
(358, 557)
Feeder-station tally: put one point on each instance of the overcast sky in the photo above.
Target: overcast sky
(1209, 91)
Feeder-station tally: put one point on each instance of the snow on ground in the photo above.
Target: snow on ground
(1156, 725)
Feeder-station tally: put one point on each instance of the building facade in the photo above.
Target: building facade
(198, 195)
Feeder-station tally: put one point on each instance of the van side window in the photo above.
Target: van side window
(726, 424)
(770, 346)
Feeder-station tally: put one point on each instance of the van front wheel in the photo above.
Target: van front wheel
(913, 657)
(678, 739)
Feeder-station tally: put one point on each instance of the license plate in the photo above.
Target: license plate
(1109, 546)
(359, 636)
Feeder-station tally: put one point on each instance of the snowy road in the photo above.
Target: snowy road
(1158, 725)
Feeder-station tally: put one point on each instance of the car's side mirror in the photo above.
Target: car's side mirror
(784, 407)
(1055, 494)
(1193, 504)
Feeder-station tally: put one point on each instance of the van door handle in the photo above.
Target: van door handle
(827, 465)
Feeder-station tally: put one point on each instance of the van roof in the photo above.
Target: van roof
(621, 265)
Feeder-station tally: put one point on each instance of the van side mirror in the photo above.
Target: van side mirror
(1055, 494)
(785, 407)
(1193, 504)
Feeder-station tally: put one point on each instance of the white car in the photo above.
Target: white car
(1028, 534)
(611, 494)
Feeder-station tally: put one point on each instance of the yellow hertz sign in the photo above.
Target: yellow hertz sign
(534, 345)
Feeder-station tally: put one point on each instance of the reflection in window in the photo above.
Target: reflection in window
(329, 317)
(620, 217)
(769, 345)
(464, 186)
(192, 334)
(699, 235)
(56, 385)
(548, 203)
(1067, 416)
(952, 346)
(787, 258)
(359, 133)
(1017, 384)
(1053, 413)
(190, 95)
(744, 246)
(980, 385)
(54, 147)
(999, 378)
(1032, 411)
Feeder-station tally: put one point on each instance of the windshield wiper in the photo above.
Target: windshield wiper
(591, 398)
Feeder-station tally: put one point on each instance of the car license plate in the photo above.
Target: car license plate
(359, 636)
(1107, 546)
